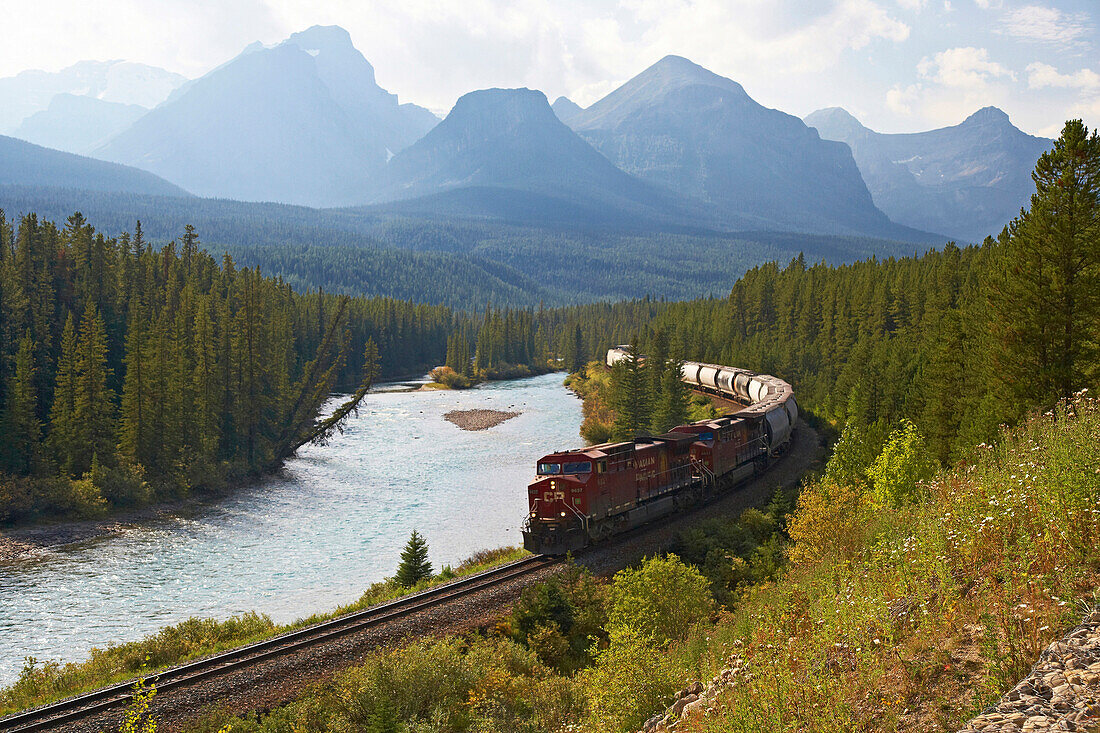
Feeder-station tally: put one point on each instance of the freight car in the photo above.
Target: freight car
(586, 495)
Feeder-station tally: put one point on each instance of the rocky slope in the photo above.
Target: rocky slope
(682, 127)
(966, 181)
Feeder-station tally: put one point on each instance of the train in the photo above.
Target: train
(584, 496)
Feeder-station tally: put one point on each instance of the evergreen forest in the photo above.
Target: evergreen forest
(131, 373)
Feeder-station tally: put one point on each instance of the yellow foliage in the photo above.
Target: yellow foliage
(829, 522)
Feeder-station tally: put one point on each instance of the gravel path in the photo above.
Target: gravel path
(1061, 693)
(277, 681)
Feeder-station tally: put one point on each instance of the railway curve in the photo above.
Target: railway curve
(211, 680)
(585, 496)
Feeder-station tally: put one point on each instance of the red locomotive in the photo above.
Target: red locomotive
(583, 496)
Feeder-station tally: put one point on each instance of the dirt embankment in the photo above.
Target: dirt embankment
(478, 419)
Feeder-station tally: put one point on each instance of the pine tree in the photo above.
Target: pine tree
(189, 247)
(205, 382)
(672, 405)
(414, 565)
(656, 366)
(93, 404)
(63, 429)
(1048, 306)
(22, 431)
(134, 422)
(630, 396)
(577, 350)
(372, 363)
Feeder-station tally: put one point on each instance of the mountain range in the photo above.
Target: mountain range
(119, 82)
(676, 148)
(682, 127)
(303, 123)
(504, 153)
(966, 181)
(77, 123)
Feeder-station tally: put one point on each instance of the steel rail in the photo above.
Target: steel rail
(91, 703)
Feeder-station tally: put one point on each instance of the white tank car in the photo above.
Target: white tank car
(763, 396)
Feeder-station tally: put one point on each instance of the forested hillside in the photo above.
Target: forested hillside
(460, 262)
(959, 341)
(129, 373)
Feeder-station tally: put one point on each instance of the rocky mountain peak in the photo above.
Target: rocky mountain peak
(500, 111)
(835, 123)
(566, 109)
(988, 116)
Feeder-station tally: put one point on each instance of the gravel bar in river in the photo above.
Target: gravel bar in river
(478, 419)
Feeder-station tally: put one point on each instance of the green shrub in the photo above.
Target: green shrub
(631, 679)
(903, 463)
(661, 600)
(449, 378)
(559, 618)
(854, 453)
(732, 553)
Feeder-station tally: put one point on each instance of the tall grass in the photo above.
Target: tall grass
(916, 617)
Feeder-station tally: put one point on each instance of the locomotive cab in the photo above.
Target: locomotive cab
(571, 490)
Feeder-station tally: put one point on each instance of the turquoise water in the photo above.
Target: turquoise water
(307, 540)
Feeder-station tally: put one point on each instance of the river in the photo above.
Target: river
(303, 541)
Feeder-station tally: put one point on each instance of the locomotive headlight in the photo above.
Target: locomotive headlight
(563, 514)
(533, 515)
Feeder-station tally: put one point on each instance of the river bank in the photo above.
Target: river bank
(298, 542)
(444, 377)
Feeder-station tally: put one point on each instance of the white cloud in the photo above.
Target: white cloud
(916, 5)
(1087, 110)
(900, 99)
(987, 4)
(966, 67)
(1040, 75)
(1045, 25)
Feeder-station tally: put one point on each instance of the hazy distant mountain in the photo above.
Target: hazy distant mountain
(121, 82)
(25, 164)
(965, 181)
(681, 126)
(566, 109)
(350, 80)
(303, 122)
(504, 150)
(77, 124)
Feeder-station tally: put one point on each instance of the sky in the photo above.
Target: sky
(897, 65)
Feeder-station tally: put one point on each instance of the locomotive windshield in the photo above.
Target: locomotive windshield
(551, 469)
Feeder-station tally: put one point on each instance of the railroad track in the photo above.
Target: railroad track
(92, 703)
